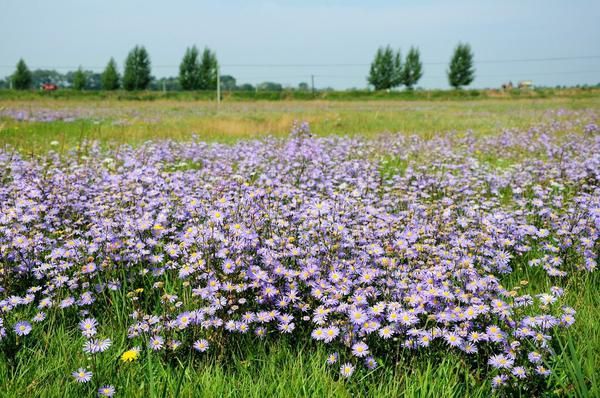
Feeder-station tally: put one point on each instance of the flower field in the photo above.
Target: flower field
(364, 252)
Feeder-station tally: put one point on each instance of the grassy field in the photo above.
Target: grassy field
(284, 367)
(133, 122)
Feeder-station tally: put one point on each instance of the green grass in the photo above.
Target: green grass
(577, 366)
(284, 367)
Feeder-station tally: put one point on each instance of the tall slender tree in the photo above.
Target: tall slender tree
(21, 79)
(374, 77)
(137, 69)
(79, 79)
(208, 70)
(386, 69)
(413, 68)
(110, 76)
(461, 71)
(189, 70)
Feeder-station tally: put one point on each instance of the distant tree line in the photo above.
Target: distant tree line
(196, 72)
(388, 70)
(199, 71)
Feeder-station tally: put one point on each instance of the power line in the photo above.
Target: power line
(497, 61)
(538, 59)
(477, 75)
(243, 77)
(336, 65)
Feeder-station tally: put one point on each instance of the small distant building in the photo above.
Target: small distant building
(525, 84)
(507, 86)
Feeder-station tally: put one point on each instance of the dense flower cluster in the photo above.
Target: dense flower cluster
(95, 114)
(370, 244)
(44, 115)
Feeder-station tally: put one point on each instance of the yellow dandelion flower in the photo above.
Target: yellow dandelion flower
(130, 355)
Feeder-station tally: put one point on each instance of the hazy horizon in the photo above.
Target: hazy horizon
(288, 41)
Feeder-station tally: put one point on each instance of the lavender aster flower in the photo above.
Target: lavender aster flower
(82, 375)
(346, 370)
(332, 358)
(22, 328)
(501, 361)
(156, 343)
(106, 391)
(360, 349)
(88, 327)
(201, 345)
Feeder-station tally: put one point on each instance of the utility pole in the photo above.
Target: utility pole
(312, 79)
(218, 87)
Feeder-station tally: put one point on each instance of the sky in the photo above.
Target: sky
(332, 40)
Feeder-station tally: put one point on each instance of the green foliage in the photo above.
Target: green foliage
(21, 79)
(228, 83)
(189, 70)
(247, 92)
(110, 76)
(41, 76)
(92, 80)
(254, 368)
(269, 86)
(461, 71)
(413, 68)
(246, 87)
(79, 79)
(137, 70)
(386, 69)
(208, 70)
(165, 84)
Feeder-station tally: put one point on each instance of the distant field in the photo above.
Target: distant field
(133, 122)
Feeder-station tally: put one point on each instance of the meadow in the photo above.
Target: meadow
(75, 117)
(300, 248)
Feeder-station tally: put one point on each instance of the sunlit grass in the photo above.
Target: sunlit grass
(136, 122)
(284, 368)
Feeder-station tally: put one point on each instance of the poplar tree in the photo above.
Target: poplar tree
(79, 79)
(461, 71)
(413, 68)
(21, 79)
(137, 69)
(208, 70)
(189, 70)
(110, 76)
(386, 69)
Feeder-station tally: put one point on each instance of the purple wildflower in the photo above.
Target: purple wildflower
(346, 370)
(22, 328)
(82, 375)
(201, 345)
(106, 391)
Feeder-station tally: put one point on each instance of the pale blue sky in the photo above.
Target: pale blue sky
(63, 34)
